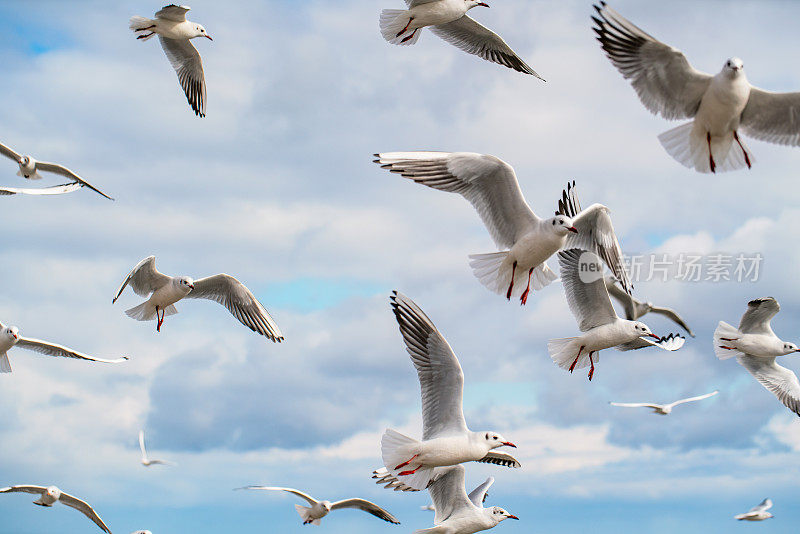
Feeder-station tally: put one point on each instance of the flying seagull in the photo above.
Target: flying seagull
(9, 338)
(320, 509)
(662, 409)
(164, 291)
(29, 168)
(446, 439)
(756, 346)
(175, 32)
(527, 241)
(448, 19)
(757, 513)
(50, 495)
(636, 309)
(581, 274)
(55, 190)
(720, 106)
(147, 462)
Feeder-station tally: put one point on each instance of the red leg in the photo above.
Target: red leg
(404, 30)
(729, 348)
(524, 298)
(160, 320)
(746, 155)
(145, 36)
(710, 154)
(404, 473)
(145, 29)
(728, 338)
(408, 38)
(572, 367)
(591, 371)
(511, 285)
(406, 463)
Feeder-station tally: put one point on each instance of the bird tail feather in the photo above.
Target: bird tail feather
(305, 514)
(34, 176)
(392, 23)
(434, 530)
(564, 350)
(724, 330)
(5, 365)
(146, 311)
(396, 449)
(494, 272)
(689, 146)
(138, 23)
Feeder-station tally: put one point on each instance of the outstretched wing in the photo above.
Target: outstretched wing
(144, 279)
(763, 506)
(51, 349)
(758, 315)
(186, 61)
(141, 444)
(671, 343)
(9, 153)
(449, 495)
(779, 380)
(63, 171)
(479, 494)
(54, 190)
(693, 399)
(84, 508)
(772, 117)
(581, 274)
(173, 12)
(311, 500)
(366, 506)
(496, 457)
(635, 405)
(672, 315)
(35, 490)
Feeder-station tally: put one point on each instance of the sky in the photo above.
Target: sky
(276, 186)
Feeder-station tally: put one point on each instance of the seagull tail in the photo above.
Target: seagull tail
(434, 530)
(146, 311)
(34, 176)
(393, 23)
(398, 453)
(494, 271)
(689, 146)
(5, 365)
(138, 23)
(563, 352)
(724, 330)
(305, 514)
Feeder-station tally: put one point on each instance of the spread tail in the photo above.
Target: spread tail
(689, 146)
(5, 365)
(140, 25)
(146, 311)
(563, 352)
(393, 23)
(724, 330)
(398, 452)
(34, 176)
(305, 515)
(494, 271)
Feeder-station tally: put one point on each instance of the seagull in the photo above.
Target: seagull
(636, 309)
(174, 32)
(55, 190)
(756, 346)
(29, 168)
(581, 274)
(384, 477)
(757, 513)
(9, 337)
(459, 513)
(147, 462)
(446, 440)
(720, 106)
(448, 19)
(662, 409)
(491, 186)
(51, 495)
(164, 291)
(320, 509)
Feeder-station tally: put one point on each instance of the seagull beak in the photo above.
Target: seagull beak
(573, 229)
(513, 517)
(509, 444)
(16, 337)
(191, 286)
(208, 37)
(655, 336)
(484, 4)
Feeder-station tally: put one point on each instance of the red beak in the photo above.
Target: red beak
(191, 286)
(573, 229)
(509, 444)
(655, 336)
(484, 4)
(208, 37)
(513, 517)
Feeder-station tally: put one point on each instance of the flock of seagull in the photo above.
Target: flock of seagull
(583, 242)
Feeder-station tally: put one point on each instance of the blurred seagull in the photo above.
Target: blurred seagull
(51, 495)
(320, 509)
(756, 346)
(446, 439)
(448, 19)
(147, 462)
(636, 309)
(164, 291)
(9, 337)
(581, 274)
(29, 168)
(720, 106)
(491, 186)
(757, 513)
(662, 409)
(459, 513)
(174, 32)
(55, 190)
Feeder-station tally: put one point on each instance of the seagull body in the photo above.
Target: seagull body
(602, 329)
(459, 513)
(164, 291)
(319, 509)
(662, 409)
(757, 513)
(50, 495)
(175, 33)
(720, 106)
(636, 309)
(9, 338)
(145, 461)
(29, 168)
(446, 438)
(448, 19)
(491, 186)
(756, 346)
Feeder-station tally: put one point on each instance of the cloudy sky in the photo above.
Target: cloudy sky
(276, 187)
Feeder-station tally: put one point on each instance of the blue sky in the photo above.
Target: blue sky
(276, 186)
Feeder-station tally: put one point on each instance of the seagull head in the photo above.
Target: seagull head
(561, 225)
(199, 31)
(53, 492)
(185, 283)
(789, 348)
(642, 330)
(475, 3)
(498, 514)
(326, 505)
(734, 66)
(494, 440)
(12, 333)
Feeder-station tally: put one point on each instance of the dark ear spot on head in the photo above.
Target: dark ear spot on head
(487, 436)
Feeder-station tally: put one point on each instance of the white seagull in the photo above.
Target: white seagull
(662, 409)
(164, 291)
(174, 32)
(757, 513)
(446, 439)
(147, 462)
(448, 19)
(459, 513)
(636, 309)
(50, 495)
(720, 106)
(9, 338)
(581, 274)
(491, 186)
(756, 346)
(320, 509)
(29, 168)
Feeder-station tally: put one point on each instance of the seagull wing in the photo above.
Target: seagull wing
(366, 506)
(7, 152)
(173, 13)
(311, 500)
(84, 508)
(589, 302)
(141, 445)
(666, 83)
(474, 38)
(673, 315)
(693, 399)
(51, 349)
(240, 301)
(636, 405)
(35, 490)
(144, 278)
(763, 506)
(671, 343)
(772, 117)
(55, 190)
(63, 171)
(186, 61)
(758, 315)
(479, 494)
(496, 457)
(449, 495)
(488, 183)
(779, 380)
(622, 297)
(440, 376)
